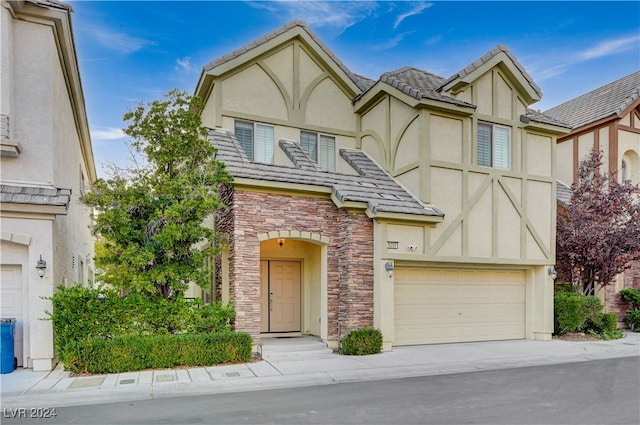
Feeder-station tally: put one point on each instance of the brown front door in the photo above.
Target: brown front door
(281, 289)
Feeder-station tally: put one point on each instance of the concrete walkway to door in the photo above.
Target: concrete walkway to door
(300, 361)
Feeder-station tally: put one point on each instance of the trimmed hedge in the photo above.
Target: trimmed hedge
(361, 342)
(80, 313)
(575, 312)
(137, 352)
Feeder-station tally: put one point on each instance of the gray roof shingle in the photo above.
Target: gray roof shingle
(34, 195)
(419, 84)
(372, 186)
(609, 100)
(563, 193)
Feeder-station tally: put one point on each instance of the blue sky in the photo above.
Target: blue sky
(137, 51)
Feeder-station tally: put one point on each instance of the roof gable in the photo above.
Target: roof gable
(296, 29)
(612, 99)
(499, 56)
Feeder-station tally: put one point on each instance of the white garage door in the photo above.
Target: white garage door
(439, 306)
(11, 303)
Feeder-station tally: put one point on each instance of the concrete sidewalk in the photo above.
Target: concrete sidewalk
(295, 362)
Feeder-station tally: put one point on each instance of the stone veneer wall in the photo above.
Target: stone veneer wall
(613, 302)
(349, 262)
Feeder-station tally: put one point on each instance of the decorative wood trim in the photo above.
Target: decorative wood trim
(613, 148)
(576, 160)
(629, 129)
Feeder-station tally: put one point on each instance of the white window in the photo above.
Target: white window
(321, 148)
(256, 140)
(494, 146)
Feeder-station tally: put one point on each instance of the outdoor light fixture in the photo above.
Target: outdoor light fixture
(41, 266)
(388, 266)
(551, 271)
(280, 242)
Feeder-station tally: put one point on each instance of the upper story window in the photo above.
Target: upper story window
(494, 146)
(624, 171)
(256, 140)
(321, 148)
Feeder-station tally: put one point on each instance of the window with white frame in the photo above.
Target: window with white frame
(321, 148)
(494, 146)
(256, 140)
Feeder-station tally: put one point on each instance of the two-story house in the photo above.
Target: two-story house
(47, 162)
(607, 119)
(420, 205)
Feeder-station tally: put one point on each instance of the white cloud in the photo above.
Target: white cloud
(610, 47)
(550, 64)
(184, 65)
(416, 10)
(391, 43)
(107, 133)
(117, 41)
(339, 15)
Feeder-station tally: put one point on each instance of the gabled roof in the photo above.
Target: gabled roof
(361, 82)
(372, 186)
(487, 57)
(609, 100)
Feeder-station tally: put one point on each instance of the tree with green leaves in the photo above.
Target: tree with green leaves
(150, 216)
(598, 231)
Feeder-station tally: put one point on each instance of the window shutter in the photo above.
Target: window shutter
(484, 145)
(327, 154)
(244, 134)
(264, 144)
(309, 144)
(501, 147)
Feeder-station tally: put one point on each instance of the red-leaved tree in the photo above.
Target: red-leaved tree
(598, 232)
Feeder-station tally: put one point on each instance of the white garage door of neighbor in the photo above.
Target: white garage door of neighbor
(11, 303)
(441, 305)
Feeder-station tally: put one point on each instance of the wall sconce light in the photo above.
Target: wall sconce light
(41, 266)
(280, 242)
(388, 266)
(551, 271)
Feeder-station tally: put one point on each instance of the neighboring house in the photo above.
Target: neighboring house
(420, 205)
(608, 119)
(47, 163)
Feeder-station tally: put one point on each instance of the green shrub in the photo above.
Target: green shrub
(362, 342)
(575, 312)
(631, 295)
(80, 313)
(137, 352)
(632, 319)
(606, 322)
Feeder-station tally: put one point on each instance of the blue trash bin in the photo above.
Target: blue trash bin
(7, 331)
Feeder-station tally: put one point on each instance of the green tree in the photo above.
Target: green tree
(150, 216)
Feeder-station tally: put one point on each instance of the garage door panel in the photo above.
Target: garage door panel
(438, 306)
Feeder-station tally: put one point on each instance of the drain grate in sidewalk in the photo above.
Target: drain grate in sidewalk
(127, 381)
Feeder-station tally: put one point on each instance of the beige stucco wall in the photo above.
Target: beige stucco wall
(35, 238)
(46, 122)
(504, 216)
(289, 89)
